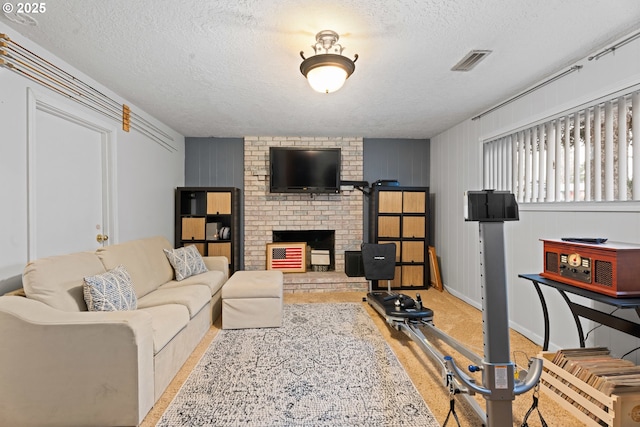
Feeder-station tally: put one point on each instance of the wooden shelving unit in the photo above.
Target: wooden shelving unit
(400, 215)
(203, 216)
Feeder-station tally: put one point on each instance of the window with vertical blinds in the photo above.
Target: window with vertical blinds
(584, 155)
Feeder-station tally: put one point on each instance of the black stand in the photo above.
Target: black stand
(491, 209)
(579, 310)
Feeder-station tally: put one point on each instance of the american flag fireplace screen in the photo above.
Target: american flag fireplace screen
(287, 257)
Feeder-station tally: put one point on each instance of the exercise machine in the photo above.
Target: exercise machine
(499, 385)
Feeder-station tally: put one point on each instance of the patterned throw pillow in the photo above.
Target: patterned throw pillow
(186, 261)
(110, 291)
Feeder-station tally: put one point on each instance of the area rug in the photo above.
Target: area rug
(327, 366)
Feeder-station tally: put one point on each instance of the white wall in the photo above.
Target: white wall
(146, 173)
(456, 166)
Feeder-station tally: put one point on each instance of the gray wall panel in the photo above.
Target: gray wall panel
(214, 162)
(219, 162)
(405, 160)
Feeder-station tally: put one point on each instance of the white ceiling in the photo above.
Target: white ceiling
(230, 68)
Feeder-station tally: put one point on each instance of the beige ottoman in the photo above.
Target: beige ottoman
(252, 299)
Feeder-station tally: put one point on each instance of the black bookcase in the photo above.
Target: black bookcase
(209, 218)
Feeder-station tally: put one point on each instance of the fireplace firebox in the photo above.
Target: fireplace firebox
(315, 239)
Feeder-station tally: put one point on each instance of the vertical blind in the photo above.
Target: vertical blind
(584, 155)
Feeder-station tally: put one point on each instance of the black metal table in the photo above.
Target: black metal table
(579, 310)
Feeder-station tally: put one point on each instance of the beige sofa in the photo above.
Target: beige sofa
(61, 365)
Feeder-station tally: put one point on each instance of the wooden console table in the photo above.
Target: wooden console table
(578, 310)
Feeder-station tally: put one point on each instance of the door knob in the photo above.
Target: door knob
(101, 238)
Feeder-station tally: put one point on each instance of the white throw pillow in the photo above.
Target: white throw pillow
(110, 291)
(186, 261)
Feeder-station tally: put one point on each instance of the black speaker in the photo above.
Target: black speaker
(353, 266)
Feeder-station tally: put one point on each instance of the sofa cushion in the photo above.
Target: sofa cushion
(110, 291)
(186, 261)
(194, 297)
(144, 259)
(214, 279)
(58, 280)
(166, 321)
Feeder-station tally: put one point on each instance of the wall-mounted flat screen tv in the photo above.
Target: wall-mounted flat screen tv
(304, 170)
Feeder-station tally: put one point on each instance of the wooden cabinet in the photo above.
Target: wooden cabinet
(209, 218)
(400, 215)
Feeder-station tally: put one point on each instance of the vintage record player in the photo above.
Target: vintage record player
(610, 268)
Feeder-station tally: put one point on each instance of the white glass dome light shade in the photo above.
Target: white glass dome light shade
(327, 72)
(327, 79)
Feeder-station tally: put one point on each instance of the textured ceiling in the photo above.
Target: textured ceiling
(230, 68)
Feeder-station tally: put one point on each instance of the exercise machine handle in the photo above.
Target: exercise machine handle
(451, 365)
(532, 378)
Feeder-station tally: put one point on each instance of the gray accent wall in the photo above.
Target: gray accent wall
(214, 162)
(219, 162)
(405, 160)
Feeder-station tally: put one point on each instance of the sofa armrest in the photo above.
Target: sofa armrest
(220, 263)
(73, 368)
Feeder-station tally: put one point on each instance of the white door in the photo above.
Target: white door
(68, 188)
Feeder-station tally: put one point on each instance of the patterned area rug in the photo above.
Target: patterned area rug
(327, 366)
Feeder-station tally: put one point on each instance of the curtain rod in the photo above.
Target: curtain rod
(614, 47)
(569, 71)
(527, 92)
(24, 62)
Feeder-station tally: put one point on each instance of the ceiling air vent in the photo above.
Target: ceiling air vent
(470, 60)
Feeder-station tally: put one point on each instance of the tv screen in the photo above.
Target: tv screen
(304, 170)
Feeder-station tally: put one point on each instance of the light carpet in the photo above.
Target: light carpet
(327, 366)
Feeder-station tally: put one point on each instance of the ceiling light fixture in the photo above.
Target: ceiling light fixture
(327, 70)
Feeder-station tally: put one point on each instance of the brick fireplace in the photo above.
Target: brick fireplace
(266, 212)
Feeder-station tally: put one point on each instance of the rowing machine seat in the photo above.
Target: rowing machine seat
(379, 260)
